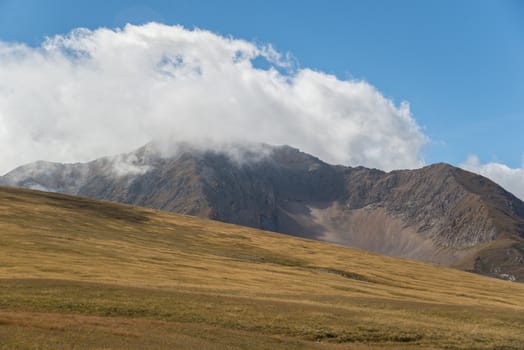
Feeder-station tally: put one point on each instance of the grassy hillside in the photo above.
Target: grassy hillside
(77, 273)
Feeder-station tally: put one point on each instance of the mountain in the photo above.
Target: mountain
(77, 273)
(439, 213)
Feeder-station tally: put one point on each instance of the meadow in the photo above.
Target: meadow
(82, 274)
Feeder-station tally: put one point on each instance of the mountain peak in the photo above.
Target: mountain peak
(438, 213)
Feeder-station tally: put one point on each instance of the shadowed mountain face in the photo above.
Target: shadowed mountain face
(439, 213)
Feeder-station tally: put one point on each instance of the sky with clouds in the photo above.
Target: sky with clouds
(90, 93)
(373, 85)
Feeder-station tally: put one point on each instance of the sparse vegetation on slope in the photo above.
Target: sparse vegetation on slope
(77, 273)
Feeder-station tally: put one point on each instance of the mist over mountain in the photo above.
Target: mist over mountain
(439, 213)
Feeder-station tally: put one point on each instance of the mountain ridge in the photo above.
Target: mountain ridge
(438, 213)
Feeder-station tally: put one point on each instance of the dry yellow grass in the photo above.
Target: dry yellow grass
(77, 273)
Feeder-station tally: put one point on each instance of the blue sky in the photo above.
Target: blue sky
(460, 64)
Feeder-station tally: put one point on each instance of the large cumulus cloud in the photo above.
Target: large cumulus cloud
(92, 93)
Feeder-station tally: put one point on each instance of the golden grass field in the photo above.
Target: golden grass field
(81, 274)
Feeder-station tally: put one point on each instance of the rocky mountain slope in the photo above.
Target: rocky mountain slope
(438, 213)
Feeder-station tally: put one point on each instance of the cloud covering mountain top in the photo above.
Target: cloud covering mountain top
(92, 93)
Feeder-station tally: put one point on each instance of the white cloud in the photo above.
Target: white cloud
(512, 179)
(94, 93)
